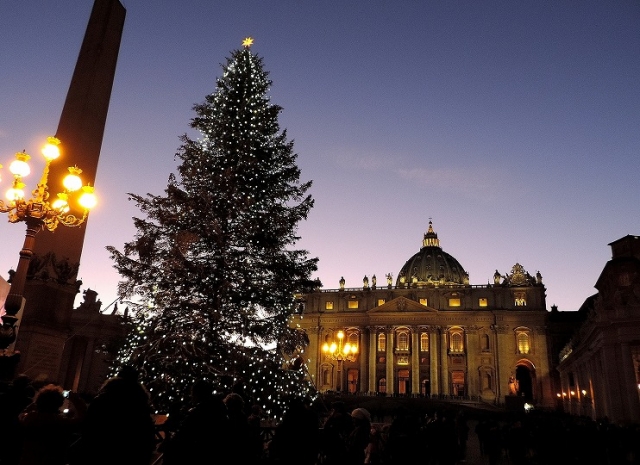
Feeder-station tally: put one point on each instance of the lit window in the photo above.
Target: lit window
(523, 342)
(328, 305)
(382, 385)
(482, 302)
(423, 302)
(424, 342)
(353, 339)
(381, 302)
(353, 304)
(456, 342)
(454, 302)
(403, 340)
(382, 342)
(520, 299)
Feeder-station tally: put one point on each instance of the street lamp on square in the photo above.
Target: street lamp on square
(38, 212)
(340, 351)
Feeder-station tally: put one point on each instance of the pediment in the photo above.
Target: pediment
(402, 304)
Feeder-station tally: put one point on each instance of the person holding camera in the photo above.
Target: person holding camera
(48, 429)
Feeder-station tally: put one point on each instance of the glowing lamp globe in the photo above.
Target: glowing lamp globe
(19, 166)
(61, 204)
(88, 199)
(72, 181)
(346, 349)
(14, 194)
(51, 151)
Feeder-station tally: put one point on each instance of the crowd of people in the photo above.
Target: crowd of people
(41, 424)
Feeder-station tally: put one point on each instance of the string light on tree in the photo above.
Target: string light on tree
(212, 274)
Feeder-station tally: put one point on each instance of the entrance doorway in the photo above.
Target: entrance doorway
(524, 377)
(457, 383)
(403, 382)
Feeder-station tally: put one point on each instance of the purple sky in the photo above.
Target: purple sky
(514, 125)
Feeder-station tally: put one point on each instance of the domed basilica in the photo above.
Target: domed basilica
(432, 333)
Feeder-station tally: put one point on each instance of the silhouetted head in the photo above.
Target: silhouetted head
(49, 399)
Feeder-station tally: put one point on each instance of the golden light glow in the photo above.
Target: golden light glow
(61, 203)
(72, 181)
(88, 199)
(19, 166)
(247, 42)
(37, 209)
(51, 151)
(338, 350)
(14, 194)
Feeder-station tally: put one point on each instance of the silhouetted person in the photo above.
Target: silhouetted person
(494, 442)
(517, 443)
(403, 432)
(239, 441)
(13, 401)
(203, 433)
(462, 433)
(256, 441)
(119, 427)
(374, 450)
(336, 429)
(358, 439)
(296, 439)
(48, 431)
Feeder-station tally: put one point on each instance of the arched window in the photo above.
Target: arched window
(382, 342)
(456, 341)
(424, 342)
(520, 299)
(425, 387)
(403, 340)
(382, 385)
(353, 339)
(522, 338)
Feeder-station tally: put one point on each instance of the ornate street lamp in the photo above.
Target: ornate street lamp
(341, 352)
(38, 212)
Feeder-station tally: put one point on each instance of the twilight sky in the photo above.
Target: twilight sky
(513, 125)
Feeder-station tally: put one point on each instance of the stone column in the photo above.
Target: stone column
(472, 349)
(415, 361)
(434, 364)
(363, 380)
(444, 365)
(49, 303)
(373, 352)
(389, 362)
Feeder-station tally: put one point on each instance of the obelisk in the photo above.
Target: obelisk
(52, 284)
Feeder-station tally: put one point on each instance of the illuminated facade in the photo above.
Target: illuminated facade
(431, 333)
(600, 367)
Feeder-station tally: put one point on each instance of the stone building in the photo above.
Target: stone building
(600, 367)
(432, 333)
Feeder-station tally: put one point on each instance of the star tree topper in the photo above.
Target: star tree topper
(247, 42)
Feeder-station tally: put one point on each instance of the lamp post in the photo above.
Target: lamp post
(38, 212)
(341, 352)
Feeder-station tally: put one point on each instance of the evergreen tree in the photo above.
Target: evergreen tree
(212, 273)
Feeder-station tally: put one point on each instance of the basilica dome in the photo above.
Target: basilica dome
(432, 266)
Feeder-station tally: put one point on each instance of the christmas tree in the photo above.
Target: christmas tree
(212, 275)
